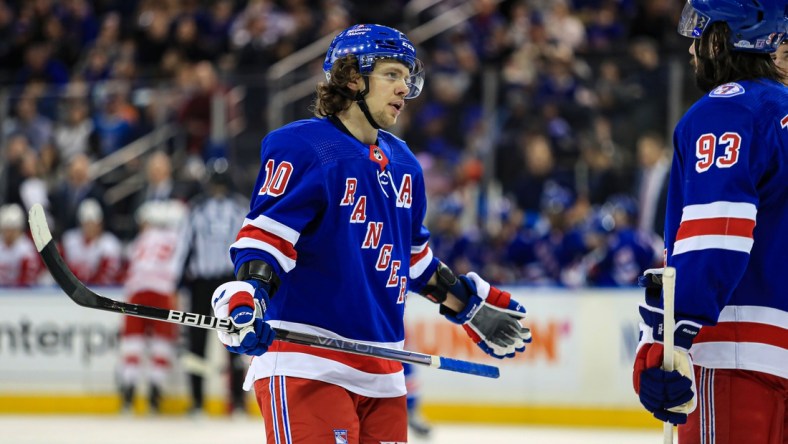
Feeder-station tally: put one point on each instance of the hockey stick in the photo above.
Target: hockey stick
(85, 297)
(669, 294)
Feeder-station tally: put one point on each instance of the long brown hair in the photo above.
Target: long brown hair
(334, 96)
(718, 63)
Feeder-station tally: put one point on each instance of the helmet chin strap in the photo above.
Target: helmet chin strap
(365, 109)
(359, 99)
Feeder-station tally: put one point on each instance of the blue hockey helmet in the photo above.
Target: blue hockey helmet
(756, 25)
(370, 43)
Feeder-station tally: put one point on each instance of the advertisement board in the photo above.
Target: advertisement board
(580, 357)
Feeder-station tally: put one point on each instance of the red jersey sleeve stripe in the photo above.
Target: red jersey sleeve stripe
(252, 232)
(420, 262)
(724, 226)
(416, 257)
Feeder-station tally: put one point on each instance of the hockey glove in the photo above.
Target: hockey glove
(244, 302)
(669, 396)
(491, 318)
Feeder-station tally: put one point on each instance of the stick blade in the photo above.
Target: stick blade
(57, 267)
(38, 227)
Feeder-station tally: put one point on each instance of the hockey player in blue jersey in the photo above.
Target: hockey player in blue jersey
(727, 211)
(332, 244)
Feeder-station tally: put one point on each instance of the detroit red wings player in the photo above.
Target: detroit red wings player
(155, 264)
(19, 262)
(94, 255)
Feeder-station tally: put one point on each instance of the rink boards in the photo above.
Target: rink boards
(57, 357)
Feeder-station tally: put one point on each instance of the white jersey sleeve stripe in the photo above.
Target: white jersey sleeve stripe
(285, 262)
(695, 243)
(417, 249)
(420, 265)
(276, 228)
(738, 210)
(752, 313)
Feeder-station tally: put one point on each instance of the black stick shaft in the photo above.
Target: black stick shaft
(82, 295)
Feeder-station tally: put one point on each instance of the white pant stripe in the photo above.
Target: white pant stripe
(702, 401)
(285, 412)
(707, 414)
(712, 413)
(274, 419)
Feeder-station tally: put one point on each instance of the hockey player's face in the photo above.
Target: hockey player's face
(387, 89)
(694, 59)
(780, 58)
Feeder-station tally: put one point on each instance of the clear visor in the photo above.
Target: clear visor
(692, 23)
(416, 81)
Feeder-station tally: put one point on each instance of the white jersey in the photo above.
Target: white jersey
(96, 262)
(19, 263)
(155, 262)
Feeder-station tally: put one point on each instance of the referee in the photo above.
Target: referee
(212, 228)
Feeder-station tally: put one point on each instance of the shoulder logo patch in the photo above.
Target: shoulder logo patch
(727, 90)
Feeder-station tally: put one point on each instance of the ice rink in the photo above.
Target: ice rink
(210, 430)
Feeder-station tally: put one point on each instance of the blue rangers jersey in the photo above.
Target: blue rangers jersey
(725, 226)
(342, 224)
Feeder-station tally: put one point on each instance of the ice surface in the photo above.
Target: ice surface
(110, 429)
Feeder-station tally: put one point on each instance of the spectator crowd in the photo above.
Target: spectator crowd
(560, 181)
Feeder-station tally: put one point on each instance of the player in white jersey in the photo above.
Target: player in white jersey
(93, 254)
(19, 262)
(155, 265)
(333, 242)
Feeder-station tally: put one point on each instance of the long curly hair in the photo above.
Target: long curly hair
(334, 96)
(718, 63)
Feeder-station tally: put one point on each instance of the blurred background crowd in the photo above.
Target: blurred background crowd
(544, 127)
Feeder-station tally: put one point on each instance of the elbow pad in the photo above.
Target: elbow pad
(262, 272)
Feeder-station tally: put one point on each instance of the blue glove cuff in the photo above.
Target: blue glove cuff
(260, 292)
(472, 304)
(683, 335)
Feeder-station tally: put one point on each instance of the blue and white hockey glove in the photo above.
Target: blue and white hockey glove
(491, 318)
(669, 396)
(244, 302)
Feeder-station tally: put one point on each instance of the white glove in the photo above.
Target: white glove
(240, 301)
(492, 319)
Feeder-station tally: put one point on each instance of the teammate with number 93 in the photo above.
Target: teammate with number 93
(727, 211)
(332, 244)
